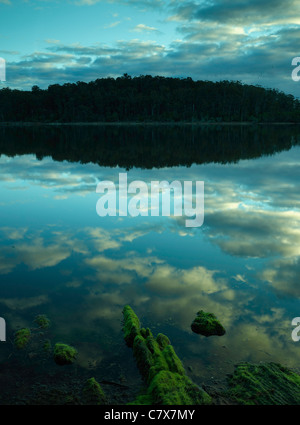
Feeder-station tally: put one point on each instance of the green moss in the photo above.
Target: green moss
(168, 388)
(22, 337)
(207, 324)
(174, 363)
(131, 325)
(176, 389)
(143, 356)
(142, 400)
(64, 354)
(93, 393)
(264, 384)
(160, 368)
(43, 321)
(162, 341)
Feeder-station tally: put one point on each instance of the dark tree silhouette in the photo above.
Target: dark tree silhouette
(148, 99)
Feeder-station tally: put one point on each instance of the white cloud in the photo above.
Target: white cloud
(144, 28)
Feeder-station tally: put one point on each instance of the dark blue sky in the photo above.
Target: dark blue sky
(54, 41)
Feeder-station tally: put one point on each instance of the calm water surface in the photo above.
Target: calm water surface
(59, 258)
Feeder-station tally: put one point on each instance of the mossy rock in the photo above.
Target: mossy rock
(207, 324)
(42, 321)
(160, 368)
(264, 384)
(93, 393)
(22, 337)
(64, 354)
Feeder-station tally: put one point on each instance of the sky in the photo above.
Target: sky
(54, 42)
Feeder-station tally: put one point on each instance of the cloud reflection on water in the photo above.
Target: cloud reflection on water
(252, 222)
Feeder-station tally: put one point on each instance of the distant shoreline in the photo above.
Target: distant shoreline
(156, 123)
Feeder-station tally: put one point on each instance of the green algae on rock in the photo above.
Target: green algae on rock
(64, 354)
(207, 324)
(160, 368)
(93, 393)
(264, 384)
(22, 337)
(43, 321)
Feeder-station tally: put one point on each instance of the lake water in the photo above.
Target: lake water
(59, 258)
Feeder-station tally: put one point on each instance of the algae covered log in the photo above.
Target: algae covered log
(207, 324)
(264, 384)
(131, 325)
(159, 367)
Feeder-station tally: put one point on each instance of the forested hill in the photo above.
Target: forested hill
(146, 98)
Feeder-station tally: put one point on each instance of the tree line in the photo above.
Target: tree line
(148, 99)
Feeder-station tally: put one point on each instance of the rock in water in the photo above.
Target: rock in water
(93, 393)
(64, 354)
(42, 321)
(207, 324)
(22, 337)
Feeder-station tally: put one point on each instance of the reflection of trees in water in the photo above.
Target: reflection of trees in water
(148, 146)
